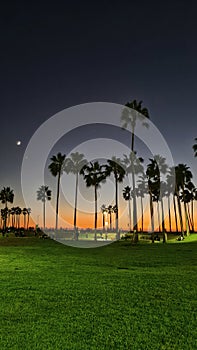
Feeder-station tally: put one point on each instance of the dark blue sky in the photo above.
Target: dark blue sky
(56, 55)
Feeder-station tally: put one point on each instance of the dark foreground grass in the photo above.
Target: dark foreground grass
(116, 297)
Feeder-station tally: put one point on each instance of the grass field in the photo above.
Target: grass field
(120, 296)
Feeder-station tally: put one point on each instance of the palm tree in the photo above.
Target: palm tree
(142, 189)
(44, 194)
(130, 116)
(170, 180)
(13, 216)
(74, 165)
(153, 181)
(18, 212)
(110, 210)
(127, 196)
(28, 215)
(24, 212)
(161, 169)
(6, 196)
(133, 166)
(116, 167)
(56, 168)
(93, 175)
(104, 211)
(183, 177)
(195, 148)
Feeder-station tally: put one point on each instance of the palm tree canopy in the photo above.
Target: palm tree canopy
(6, 195)
(127, 193)
(44, 193)
(129, 117)
(57, 164)
(183, 176)
(133, 164)
(93, 174)
(115, 166)
(75, 163)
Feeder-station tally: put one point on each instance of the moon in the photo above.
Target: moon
(18, 143)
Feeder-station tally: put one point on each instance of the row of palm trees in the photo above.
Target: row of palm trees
(10, 217)
(178, 185)
(150, 180)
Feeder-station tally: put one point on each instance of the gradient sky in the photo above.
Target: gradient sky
(57, 55)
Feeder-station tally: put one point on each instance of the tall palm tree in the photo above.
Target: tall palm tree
(170, 180)
(161, 169)
(142, 189)
(110, 210)
(18, 214)
(44, 194)
(24, 212)
(6, 196)
(13, 216)
(183, 177)
(134, 166)
(104, 211)
(56, 168)
(28, 215)
(74, 165)
(153, 181)
(129, 117)
(93, 175)
(127, 196)
(115, 167)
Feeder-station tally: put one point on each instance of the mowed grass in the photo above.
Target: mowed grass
(116, 297)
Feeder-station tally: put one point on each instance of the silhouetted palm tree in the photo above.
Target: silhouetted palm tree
(141, 191)
(153, 181)
(183, 177)
(44, 194)
(127, 196)
(134, 166)
(130, 116)
(56, 169)
(18, 212)
(28, 215)
(6, 196)
(115, 167)
(24, 212)
(104, 211)
(110, 210)
(93, 175)
(74, 165)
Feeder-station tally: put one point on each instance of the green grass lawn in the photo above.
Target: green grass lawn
(120, 296)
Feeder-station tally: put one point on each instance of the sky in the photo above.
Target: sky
(55, 55)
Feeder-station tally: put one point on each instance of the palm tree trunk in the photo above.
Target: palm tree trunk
(189, 218)
(186, 220)
(57, 201)
(129, 214)
(44, 215)
(169, 215)
(27, 220)
(110, 220)
(158, 215)
(95, 213)
(163, 222)
(116, 199)
(180, 214)
(75, 211)
(175, 214)
(152, 217)
(142, 210)
(192, 215)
